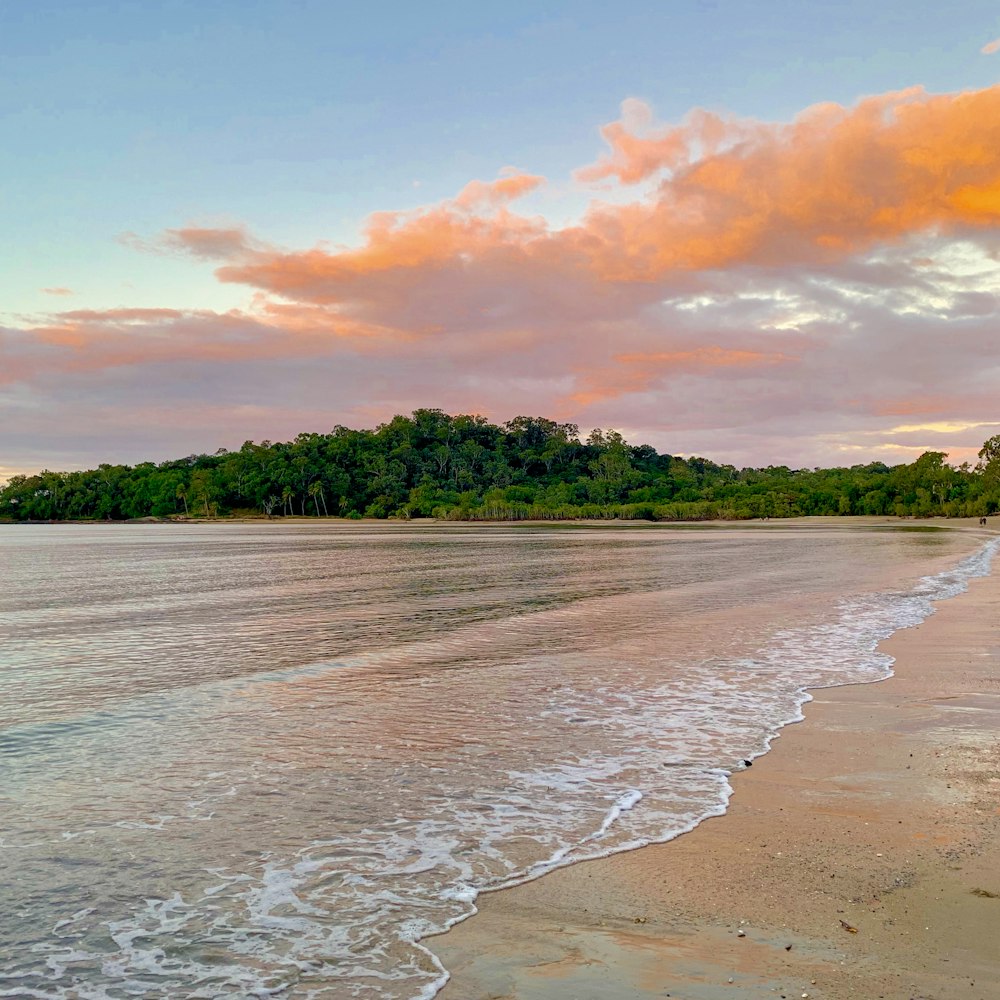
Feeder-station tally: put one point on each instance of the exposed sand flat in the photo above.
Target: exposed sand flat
(881, 812)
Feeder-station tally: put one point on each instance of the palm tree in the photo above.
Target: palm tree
(286, 499)
(314, 491)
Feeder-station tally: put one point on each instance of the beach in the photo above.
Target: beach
(859, 858)
(521, 698)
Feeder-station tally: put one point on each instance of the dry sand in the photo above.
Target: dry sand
(859, 859)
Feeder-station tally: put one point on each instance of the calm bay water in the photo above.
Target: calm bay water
(242, 761)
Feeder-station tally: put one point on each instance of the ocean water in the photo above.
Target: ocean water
(267, 760)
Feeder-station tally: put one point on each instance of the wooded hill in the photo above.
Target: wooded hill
(464, 468)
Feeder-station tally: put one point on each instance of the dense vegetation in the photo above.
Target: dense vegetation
(465, 468)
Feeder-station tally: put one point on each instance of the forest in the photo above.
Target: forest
(430, 464)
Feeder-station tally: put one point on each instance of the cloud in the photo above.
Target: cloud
(783, 292)
(990, 48)
(834, 182)
(200, 242)
(641, 371)
(92, 341)
(209, 244)
(58, 291)
(511, 185)
(638, 150)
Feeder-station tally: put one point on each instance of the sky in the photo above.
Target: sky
(762, 232)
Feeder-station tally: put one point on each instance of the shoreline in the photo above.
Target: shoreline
(873, 520)
(878, 813)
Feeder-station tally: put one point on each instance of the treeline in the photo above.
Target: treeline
(466, 468)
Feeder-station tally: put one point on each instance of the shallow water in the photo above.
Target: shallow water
(244, 760)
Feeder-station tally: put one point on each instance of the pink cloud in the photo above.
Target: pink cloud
(638, 150)
(209, 244)
(201, 242)
(789, 281)
(91, 341)
(640, 371)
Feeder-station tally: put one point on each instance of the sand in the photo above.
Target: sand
(860, 858)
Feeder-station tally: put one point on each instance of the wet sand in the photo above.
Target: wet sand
(859, 859)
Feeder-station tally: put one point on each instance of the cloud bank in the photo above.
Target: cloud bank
(756, 292)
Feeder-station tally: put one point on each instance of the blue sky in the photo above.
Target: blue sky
(298, 120)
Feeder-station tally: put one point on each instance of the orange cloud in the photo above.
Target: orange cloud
(923, 405)
(508, 187)
(834, 182)
(398, 244)
(58, 291)
(991, 47)
(751, 282)
(120, 317)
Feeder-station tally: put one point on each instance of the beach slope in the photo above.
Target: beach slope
(859, 859)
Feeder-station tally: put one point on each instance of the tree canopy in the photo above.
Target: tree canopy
(430, 464)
